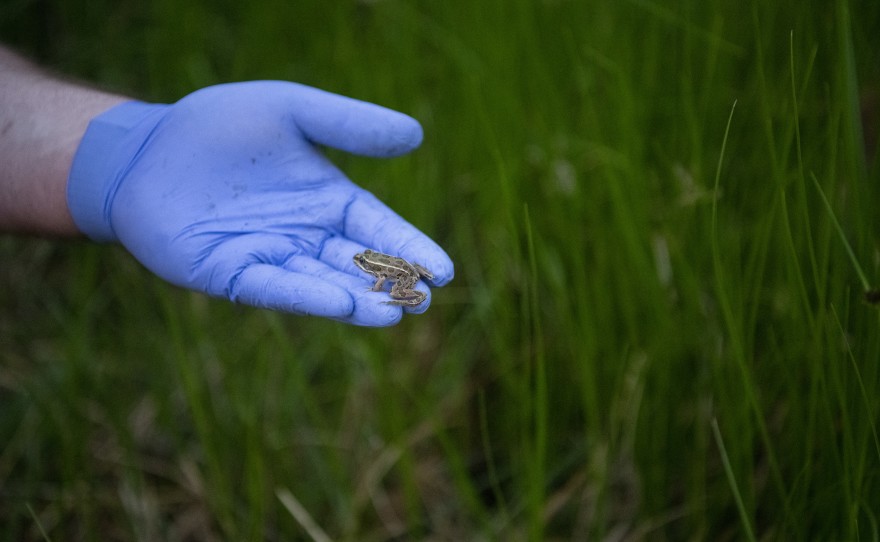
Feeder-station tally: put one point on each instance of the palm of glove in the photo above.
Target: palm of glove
(229, 195)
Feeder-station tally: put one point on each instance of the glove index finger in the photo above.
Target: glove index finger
(373, 224)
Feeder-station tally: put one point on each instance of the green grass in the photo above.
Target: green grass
(657, 327)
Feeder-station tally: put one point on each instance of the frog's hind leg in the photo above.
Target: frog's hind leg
(408, 301)
(406, 297)
(423, 272)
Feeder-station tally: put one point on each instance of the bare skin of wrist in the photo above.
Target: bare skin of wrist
(42, 120)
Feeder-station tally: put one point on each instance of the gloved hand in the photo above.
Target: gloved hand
(224, 192)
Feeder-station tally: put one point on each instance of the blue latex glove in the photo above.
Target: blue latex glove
(225, 192)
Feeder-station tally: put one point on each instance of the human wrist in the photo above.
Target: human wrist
(111, 140)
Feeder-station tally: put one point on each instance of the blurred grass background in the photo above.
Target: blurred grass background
(645, 339)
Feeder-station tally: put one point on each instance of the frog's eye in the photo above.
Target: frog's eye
(368, 252)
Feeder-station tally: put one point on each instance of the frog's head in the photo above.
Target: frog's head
(360, 259)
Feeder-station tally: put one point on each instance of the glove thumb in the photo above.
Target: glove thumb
(352, 125)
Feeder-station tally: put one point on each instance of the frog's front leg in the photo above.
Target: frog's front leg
(379, 283)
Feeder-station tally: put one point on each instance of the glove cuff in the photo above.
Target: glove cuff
(102, 158)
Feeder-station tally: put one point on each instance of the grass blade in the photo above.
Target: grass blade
(731, 478)
(301, 515)
(866, 286)
(37, 521)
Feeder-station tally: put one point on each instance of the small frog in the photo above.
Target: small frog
(404, 274)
